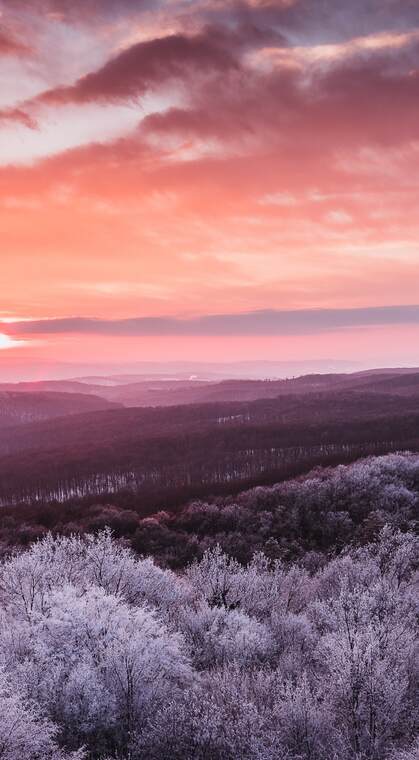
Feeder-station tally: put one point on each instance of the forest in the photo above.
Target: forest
(277, 623)
(163, 457)
(321, 511)
(106, 655)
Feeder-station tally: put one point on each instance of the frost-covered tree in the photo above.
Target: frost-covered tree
(216, 635)
(218, 579)
(24, 732)
(221, 718)
(106, 655)
(367, 651)
(96, 664)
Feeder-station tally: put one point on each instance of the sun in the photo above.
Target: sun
(7, 342)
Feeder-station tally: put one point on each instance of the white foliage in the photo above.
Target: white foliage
(24, 733)
(224, 662)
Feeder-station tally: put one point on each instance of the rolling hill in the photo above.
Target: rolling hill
(18, 408)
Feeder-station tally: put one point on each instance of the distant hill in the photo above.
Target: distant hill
(175, 392)
(54, 386)
(388, 371)
(17, 408)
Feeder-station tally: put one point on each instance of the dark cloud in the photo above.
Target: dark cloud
(336, 19)
(269, 322)
(317, 21)
(142, 65)
(346, 102)
(299, 20)
(346, 105)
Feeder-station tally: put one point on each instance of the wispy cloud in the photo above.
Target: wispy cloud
(265, 322)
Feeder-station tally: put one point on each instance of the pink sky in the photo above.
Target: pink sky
(175, 160)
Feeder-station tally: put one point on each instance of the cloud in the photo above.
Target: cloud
(310, 16)
(266, 322)
(17, 116)
(312, 22)
(11, 45)
(339, 217)
(237, 82)
(133, 71)
(277, 111)
(81, 10)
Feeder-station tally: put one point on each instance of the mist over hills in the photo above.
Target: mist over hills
(137, 391)
(15, 369)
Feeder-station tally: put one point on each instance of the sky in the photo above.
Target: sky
(209, 180)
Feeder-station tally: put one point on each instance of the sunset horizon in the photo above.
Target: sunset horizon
(209, 181)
